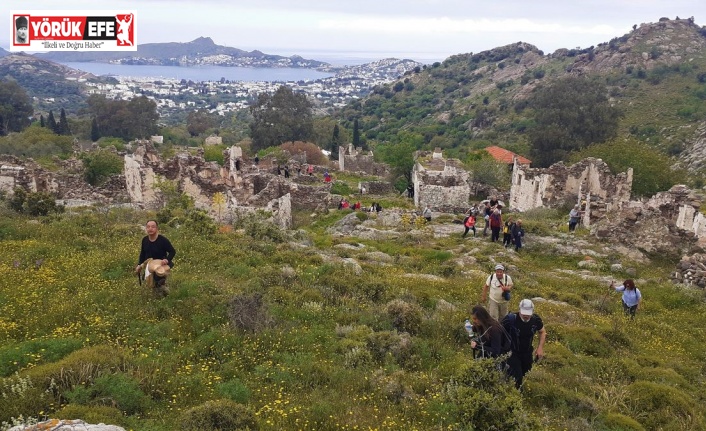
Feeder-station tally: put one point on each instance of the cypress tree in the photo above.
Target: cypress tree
(63, 127)
(335, 141)
(356, 134)
(95, 134)
(52, 122)
(2, 126)
(41, 120)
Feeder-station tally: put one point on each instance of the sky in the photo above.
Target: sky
(423, 30)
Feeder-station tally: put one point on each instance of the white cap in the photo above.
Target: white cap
(526, 307)
(499, 266)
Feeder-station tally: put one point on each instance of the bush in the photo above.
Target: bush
(41, 204)
(234, 390)
(99, 165)
(92, 414)
(618, 422)
(405, 317)
(248, 313)
(218, 415)
(214, 153)
(486, 400)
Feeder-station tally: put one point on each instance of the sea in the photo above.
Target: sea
(200, 73)
(250, 74)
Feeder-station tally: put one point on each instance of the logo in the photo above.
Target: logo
(73, 31)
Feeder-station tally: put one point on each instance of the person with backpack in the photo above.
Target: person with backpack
(522, 326)
(500, 285)
(490, 339)
(632, 298)
(470, 224)
(486, 216)
(516, 233)
(507, 235)
(496, 223)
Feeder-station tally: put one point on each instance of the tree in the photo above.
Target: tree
(356, 133)
(63, 126)
(98, 166)
(335, 142)
(652, 171)
(281, 117)
(95, 133)
(52, 122)
(198, 122)
(569, 114)
(41, 120)
(15, 107)
(128, 120)
(400, 157)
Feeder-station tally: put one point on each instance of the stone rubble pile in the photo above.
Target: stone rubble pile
(691, 270)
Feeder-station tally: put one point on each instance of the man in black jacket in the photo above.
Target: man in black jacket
(522, 326)
(155, 246)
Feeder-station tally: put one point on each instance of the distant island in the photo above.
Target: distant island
(199, 52)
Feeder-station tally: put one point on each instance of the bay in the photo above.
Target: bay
(200, 73)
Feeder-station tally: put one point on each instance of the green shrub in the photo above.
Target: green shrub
(584, 340)
(661, 403)
(41, 204)
(99, 165)
(120, 390)
(218, 415)
(405, 317)
(341, 188)
(486, 400)
(619, 422)
(91, 415)
(214, 153)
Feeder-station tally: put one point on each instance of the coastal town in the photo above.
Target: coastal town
(222, 96)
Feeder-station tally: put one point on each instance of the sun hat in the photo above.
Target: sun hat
(500, 267)
(156, 267)
(526, 307)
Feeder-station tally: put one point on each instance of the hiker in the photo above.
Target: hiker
(574, 218)
(500, 285)
(486, 216)
(522, 326)
(489, 334)
(496, 223)
(427, 213)
(155, 247)
(507, 232)
(470, 224)
(632, 298)
(516, 232)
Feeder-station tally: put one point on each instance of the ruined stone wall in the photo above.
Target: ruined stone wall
(65, 184)
(554, 186)
(442, 184)
(353, 160)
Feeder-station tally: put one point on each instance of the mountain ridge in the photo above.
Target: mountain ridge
(199, 51)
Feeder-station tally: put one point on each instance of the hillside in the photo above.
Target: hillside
(656, 74)
(317, 330)
(54, 86)
(199, 51)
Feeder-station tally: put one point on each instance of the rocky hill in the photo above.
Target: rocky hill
(52, 85)
(656, 74)
(199, 51)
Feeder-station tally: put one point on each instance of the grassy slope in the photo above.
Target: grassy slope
(331, 358)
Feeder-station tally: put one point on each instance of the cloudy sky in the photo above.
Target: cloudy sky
(418, 29)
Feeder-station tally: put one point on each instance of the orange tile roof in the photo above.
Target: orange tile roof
(505, 156)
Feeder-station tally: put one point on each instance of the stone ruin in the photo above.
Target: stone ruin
(589, 180)
(353, 160)
(243, 184)
(441, 183)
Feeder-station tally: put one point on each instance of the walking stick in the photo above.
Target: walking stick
(612, 283)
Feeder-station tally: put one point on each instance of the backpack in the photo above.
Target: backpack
(507, 341)
(509, 324)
